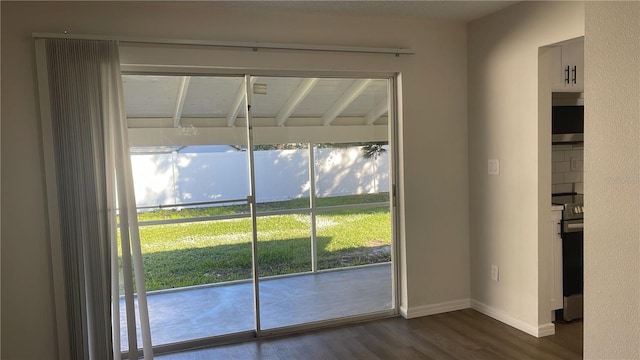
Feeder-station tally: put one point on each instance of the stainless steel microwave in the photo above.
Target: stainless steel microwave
(567, 124)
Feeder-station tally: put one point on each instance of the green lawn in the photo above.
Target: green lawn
(178, 255)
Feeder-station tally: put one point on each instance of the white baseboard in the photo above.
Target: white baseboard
(546, 329)
(537, 331)
(432, 309)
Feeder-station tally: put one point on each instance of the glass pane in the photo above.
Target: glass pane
(352, 173)
(284, 248)
(342, 125)
(209, 264)
(284, 244)
(185, 182)
(199, 253)
(353, 237)
(282, 176)
(190, 170)
(312, 297)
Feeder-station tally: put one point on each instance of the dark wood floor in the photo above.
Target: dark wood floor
(464, 334)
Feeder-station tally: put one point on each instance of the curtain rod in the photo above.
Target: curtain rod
(246, 45)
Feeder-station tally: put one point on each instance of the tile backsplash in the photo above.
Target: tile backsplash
(567, 163)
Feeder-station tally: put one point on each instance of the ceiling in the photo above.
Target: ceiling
(446, 10)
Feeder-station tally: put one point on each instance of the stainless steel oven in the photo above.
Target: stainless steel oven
(572, 255)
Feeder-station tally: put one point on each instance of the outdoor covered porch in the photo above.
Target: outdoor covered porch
(198, 312)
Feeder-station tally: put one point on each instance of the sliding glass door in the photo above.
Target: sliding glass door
(263, 202)
(322, 187)
(191, 176)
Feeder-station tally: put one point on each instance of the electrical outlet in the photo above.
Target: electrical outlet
(495, 274)
(577, 164)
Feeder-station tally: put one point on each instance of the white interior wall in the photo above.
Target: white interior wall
(433, 139)
(509, 212)
(612, 163)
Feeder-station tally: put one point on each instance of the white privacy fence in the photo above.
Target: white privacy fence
(177, 178)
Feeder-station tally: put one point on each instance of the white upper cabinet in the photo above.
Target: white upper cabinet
(568, 73)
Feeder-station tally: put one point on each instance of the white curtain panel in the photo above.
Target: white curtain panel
(92, 167)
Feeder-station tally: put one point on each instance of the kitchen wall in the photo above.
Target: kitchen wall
(509, 212)
(612, 181)
(434, 246)
(567, 167)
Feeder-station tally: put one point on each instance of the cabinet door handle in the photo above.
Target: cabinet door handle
(566, 75)
(575, 74)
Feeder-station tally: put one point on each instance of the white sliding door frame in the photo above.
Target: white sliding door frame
(392, 128)
(252, 203)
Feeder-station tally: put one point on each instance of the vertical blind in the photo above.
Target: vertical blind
(92, 169)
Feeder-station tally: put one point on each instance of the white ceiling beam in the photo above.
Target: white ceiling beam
(182, 95)
(266, 135)
(377, 111)
(347, 98)
(294, 100)
(262, 121)
(234, 109)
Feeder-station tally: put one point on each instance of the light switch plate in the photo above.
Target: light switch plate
(495, 273)
(493, 167)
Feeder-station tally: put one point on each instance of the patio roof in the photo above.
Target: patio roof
(202, 110)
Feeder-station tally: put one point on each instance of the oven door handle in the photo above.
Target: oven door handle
(573, 225)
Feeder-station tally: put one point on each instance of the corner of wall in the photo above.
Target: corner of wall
(508, 210)
(612, 180)
(432, 309)
(538, 330)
